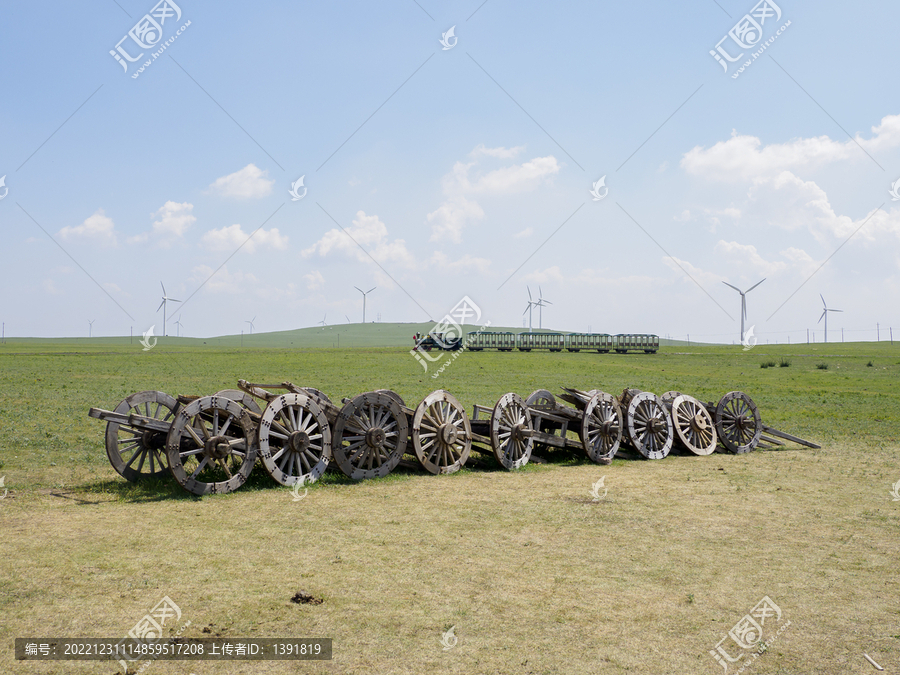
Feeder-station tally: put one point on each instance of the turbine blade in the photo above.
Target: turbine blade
(163, 287)
(734, 287)
(161, 305)
(823, 316)
(824, 304)
(754, 286)
(529, 292)
(835, 310)
(371, 289)
(359, 289)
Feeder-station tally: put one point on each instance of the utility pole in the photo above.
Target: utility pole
(807, 336)
(878, 332)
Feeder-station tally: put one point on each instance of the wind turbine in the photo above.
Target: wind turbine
(743, 302)
(179, 324)
(365, 293)
(825, 315)
(164, 305)
(323, 321)
(91, 327)
(251, 324)
(540, 304)
(531, 303)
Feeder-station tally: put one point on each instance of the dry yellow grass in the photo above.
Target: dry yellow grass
(534, 575)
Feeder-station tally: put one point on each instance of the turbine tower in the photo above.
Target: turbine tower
(540, 304)
(179, 326)
(743, 302)
(531, 303)
(164, 305)
(364, 294)
(825, 315)
(91, 327)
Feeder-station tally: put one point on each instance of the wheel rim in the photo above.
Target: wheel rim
(693, 425)
(738, 422)
(601, 427)
(370, 436)
(441, 433)
(134, 453)
(241, 397)
(649, 427)
(211, 446)
(294, 439)
(511, 429)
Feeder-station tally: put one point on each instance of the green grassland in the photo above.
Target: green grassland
(535, 576)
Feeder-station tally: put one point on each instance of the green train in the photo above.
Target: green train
(556, 342)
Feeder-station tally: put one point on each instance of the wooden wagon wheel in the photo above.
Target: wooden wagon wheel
(738, 422)
(648, 425)
(393, 394)
(441, 433)
(369, 436)
(317, 394)
(541, 398)
(211, 446)
(693, 425)
(294, 439)
(135, 453)
(669, 396)
(601, 428)
(511, 429)
(241, 397)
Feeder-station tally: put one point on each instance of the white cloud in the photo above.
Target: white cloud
(98, 227)
(223, 281)
(314, 280)
(700, 276)
(451, 217)
(448, 221)
(173, 220)
(747, 254)
(468, 263)
(370, 233)
(742, 157)
(527, 232)
(248, 183)
(500, 153)
(232, 237)
(510, 179)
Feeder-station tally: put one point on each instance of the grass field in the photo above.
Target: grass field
(533, 574)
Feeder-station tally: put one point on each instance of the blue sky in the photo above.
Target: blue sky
(450, 167)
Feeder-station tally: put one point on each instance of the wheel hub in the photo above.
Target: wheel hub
(375, 437)
(153, 440)
(217, 447)
(699, 423)
(298, 441)
(449, 434)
